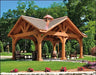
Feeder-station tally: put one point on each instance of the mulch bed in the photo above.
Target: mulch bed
(70, 70)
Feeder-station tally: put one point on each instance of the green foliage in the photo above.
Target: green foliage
(5, 54)
(45, 49)
(68, 47)
(32, 47)
(50, 46)
(1, 47)
(17, 47)
(81, 11)
(90, 41)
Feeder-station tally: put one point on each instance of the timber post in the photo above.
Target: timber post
(81, 48)
(63, 48)
(54, 46)
(13, 48)
(39, 56)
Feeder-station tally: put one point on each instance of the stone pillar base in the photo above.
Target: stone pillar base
(64, 58)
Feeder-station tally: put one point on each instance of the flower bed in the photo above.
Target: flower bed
(91, 65)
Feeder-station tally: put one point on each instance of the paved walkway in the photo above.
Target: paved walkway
(5, 57)
(58, 59)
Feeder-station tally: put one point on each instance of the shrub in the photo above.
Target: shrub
(81, 68)
(47, 69)
(1, 47)
(45, 49)
(90, 65)
(63, 69)
(30, 70)
(32, 47)
(15, 70)
(17, 47)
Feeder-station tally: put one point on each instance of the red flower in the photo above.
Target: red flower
(81, 68)
(63, 69)
(47, 69)
(15, 70)
(30, 69)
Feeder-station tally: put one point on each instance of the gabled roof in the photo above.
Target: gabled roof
(40, 24)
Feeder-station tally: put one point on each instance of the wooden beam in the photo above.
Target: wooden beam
(25, 34)
(28, 37)
(55, 34)
(28, 25)
(14, 27)
(60, 28)
(21, 28)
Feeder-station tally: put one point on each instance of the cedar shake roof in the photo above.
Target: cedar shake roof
(40, 23)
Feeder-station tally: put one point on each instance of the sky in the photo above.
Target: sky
(12, 4)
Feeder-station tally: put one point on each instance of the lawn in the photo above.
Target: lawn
(10, 54)
(8, 65)
(88, 58)
(5, 54)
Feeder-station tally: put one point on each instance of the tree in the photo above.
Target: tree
(17, 47)
(81, 11)
(1, 47)
(32, 47)
(50, 47)
(45, 49)
(90, 41)
(68, 47)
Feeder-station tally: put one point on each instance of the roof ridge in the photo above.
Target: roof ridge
(31, 17)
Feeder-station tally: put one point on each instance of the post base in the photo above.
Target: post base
(39, 59)
(13, 58)
(63, 58)
(81, 57)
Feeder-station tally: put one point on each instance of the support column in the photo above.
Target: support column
(81, 48)
(39, 51)
(13, 49)
(63, 49)
(54, 46)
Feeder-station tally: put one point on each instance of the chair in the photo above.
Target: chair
(34, 55)
(18, 55)
(73, 55)
(45, 56)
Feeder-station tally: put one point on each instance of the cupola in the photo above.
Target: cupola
(48, 19)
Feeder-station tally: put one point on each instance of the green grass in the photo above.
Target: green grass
(8, 65)
(5, 54)
(10, 54)
(88, 58)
